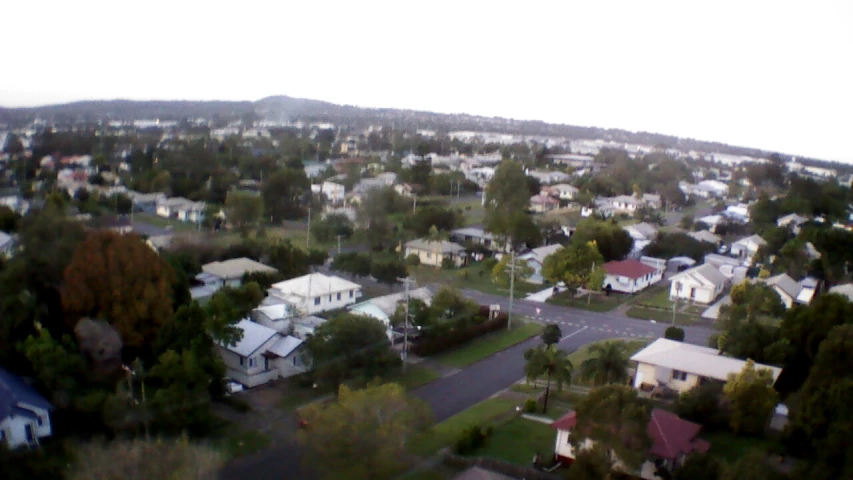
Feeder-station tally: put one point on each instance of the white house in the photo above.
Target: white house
(478, 236)
(229, 273)
(24, 413)
(714, 187)
(788, 289)
(629, 276)
(277, 316)
(844, 289)
(643, 234)
(739, 212)
(746, 248)
(543, 203)
(792, 221)
(535, 258)
(706, 236)
(434, 253)
(262, 355)
(334, 192)
(182, 209)
(702, 284)
(383, 308)
(603, 207)
(681, 366)
(626, 203)
(7, 245)
(564, 191)
(316, 292)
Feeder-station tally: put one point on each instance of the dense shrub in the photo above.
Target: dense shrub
(531, 405)
(458, 336)
(413, 260)
(471, 439)
(674, 333)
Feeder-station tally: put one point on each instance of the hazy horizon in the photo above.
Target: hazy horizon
(775, 76)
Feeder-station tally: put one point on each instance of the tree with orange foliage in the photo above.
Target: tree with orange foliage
(121, 280)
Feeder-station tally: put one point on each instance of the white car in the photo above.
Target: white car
(233, 387)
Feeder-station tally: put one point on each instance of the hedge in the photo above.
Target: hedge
(456, 337)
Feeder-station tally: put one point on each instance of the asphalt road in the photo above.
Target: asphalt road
(471, 385)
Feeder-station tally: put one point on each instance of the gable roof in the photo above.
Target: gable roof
(784, 283)
(754, 239)
(236, 267)
(566, 422)
(644, 230)
(387, 304)
(628, 268)
(15, 393)
(312, 285)
(285, 345)
(442, 246)
(538, 254)
(672, 435)
(705, 274)
(705, 236)
(255, 336)
(702, 361)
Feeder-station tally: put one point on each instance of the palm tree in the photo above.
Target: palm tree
(607, 364)
(550, 362)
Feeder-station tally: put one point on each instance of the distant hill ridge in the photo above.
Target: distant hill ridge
(282, 107)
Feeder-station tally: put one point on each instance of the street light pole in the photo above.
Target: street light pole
(339, 244)
(406, 281)
(308, 232)
(511, 289)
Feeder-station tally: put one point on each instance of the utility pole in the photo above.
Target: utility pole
(406, 281)
(308, 232)
(511, 289)
(339, 244)
(674, 307)
(588, 287)
(414, 202)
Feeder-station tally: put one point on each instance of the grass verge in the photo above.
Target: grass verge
(488, 345)
(662, 316)
(234, 441)
(595, 303)
(446, 432)
(475, 277)
(518, 441)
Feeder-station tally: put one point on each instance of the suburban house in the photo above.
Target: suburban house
(160, 242)
(652, 200)
(643, 234)
(564, 191)
(315, 293)
(739, 212)
(24, 413)
(791, 291)
(746, 248)
(702, 284)
(626, 203)
(334, 192)
(535, 258)
(673, 440)
(7, 245)
(228, 273)
(404, 189)
(543, 203)
(434, 253)
(629, 276)
(383, 308)
(182, 209)
(679, 366)
(792, 221)
(603, 208)
(477, 236)
(262, 355)
(145, 202)
(844, 289)
(548, 178)
(706, 236)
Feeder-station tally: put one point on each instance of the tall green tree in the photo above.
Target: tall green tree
(572, 264)
(57, 364)
(550, 362)
(614, 417)
(751, 398)
(243, 210)
(503, 269)
(613, 242)
(350, 346)
(551, 334)
(507, 201)
(364, 433)
(285, 194)
(590, 464)
(388, 271)
(607, 364)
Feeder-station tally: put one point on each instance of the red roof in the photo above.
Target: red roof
(566, 422)
(672, 435)
(628, 268)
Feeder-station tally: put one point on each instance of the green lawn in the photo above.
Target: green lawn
(518, 441)
(474, 276)
(236, 442)
(659, 299)
(446, 432)
(161, 222)
(414, 377)
(489, 345)
(595, 303)
(730, 448)
(662, 316)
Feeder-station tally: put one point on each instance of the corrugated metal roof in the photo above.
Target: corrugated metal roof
(14, 393)
(255, 336)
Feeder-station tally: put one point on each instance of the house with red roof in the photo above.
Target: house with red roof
(673, 440)
(629, 276)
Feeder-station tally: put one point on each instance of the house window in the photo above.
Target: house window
(350, 293)
(330, 298)
(242, 360)
(39, 420)
(316, 300)
(251, 362)
(339, 296)
(679, 375)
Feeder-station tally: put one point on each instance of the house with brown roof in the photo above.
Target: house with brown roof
(673, 440)
(629, 276)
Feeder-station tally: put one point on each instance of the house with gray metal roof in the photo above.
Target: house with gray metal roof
(24, 412)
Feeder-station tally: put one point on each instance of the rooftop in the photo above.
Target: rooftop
(387, 304)
(628, 268)
(255, 336)
(236, 267)
(705, 274)
(442, 246)
(702, 361)
(312, 285)
(14, 393)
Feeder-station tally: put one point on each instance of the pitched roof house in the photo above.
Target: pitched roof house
(702, 284)
(706, 236)
(681, 366)
(629, 276)
(262, 355)
(673, 440)
(382, 308)
(315, 292)
(746, 248)
(435, 252)
(24, 413)
(535, 258)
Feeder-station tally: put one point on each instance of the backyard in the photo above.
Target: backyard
(517, 441)
(446, 432)
(475, 277)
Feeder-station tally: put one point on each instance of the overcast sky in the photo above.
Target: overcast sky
(775, 75)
